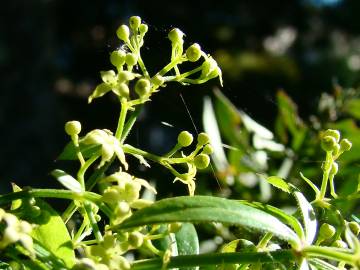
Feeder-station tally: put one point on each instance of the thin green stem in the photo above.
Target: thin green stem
(122, 118)
(171, 65)
(332, 186)
(130, 123)
(176, 148)
(79, 232)
(83, 169)
(264, 241)
(327, 168)
(216, 259)
(329, 253)
(75, 139)
(129, 149)
(70, 210)
(92, 221)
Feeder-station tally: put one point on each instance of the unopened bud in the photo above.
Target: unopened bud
(339, 244)
(333, 133)
(73, 128)
(345, 145)
(117, 58)
(123, 32)
(136, 239)
(208, 149)
(176, 36)
(185, 138)
(326, 231)
(354, 227)
(201, 161)
(143, 28)
(203, 138)
(328, 143)
(134, 22)
(334, 168)
(142, 87)
(193, 53)
(131, 59)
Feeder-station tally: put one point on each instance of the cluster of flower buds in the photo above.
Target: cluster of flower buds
(198, 159)
(123, 194)
(330, 142)
(15, 230)
(106, 255)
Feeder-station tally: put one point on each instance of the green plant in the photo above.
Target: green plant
(108, 222)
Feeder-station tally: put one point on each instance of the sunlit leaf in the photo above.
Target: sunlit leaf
(278, 183)
(67, 180)
(52, 234)
(308, 216)
(209, 209)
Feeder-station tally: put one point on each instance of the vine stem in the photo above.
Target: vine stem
(329, 253)
(216, 259)
(327, 168)
(123, 111)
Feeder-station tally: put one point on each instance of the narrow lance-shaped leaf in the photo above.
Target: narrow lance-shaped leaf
(308, 216)
(67, 180)
(209, 209)
(187, 242)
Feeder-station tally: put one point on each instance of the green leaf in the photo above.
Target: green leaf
(321, 265)
(279, 214)
(187, 242)
(67, 180)
(308, 216)
(278, 183)
(52, 234)
(353, 108)
(209, 209)
(5, 266)
(87, 150)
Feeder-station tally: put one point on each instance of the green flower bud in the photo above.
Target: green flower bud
(345, 145)
(123, 32)
(333, 133)
(201, 161)
(208, 67)
(176, 36)
(108, 77)
(336, 149)
(123, 263)
(117, 58)
(193, 53)
(328, 143)
(132, 191)
(111, 195)
(134, 22)
(174, 227)
(142, 87)
(136, 239)
(131, 59)
(339, 244)
(208, 149)
(72, 128)
(326, 231)
(143, 28)
(185, 138)
(125, 76)
(354, 227)
(158, 80)
(122, 208)
(122, 90)
(203, 138)
(334, 168)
